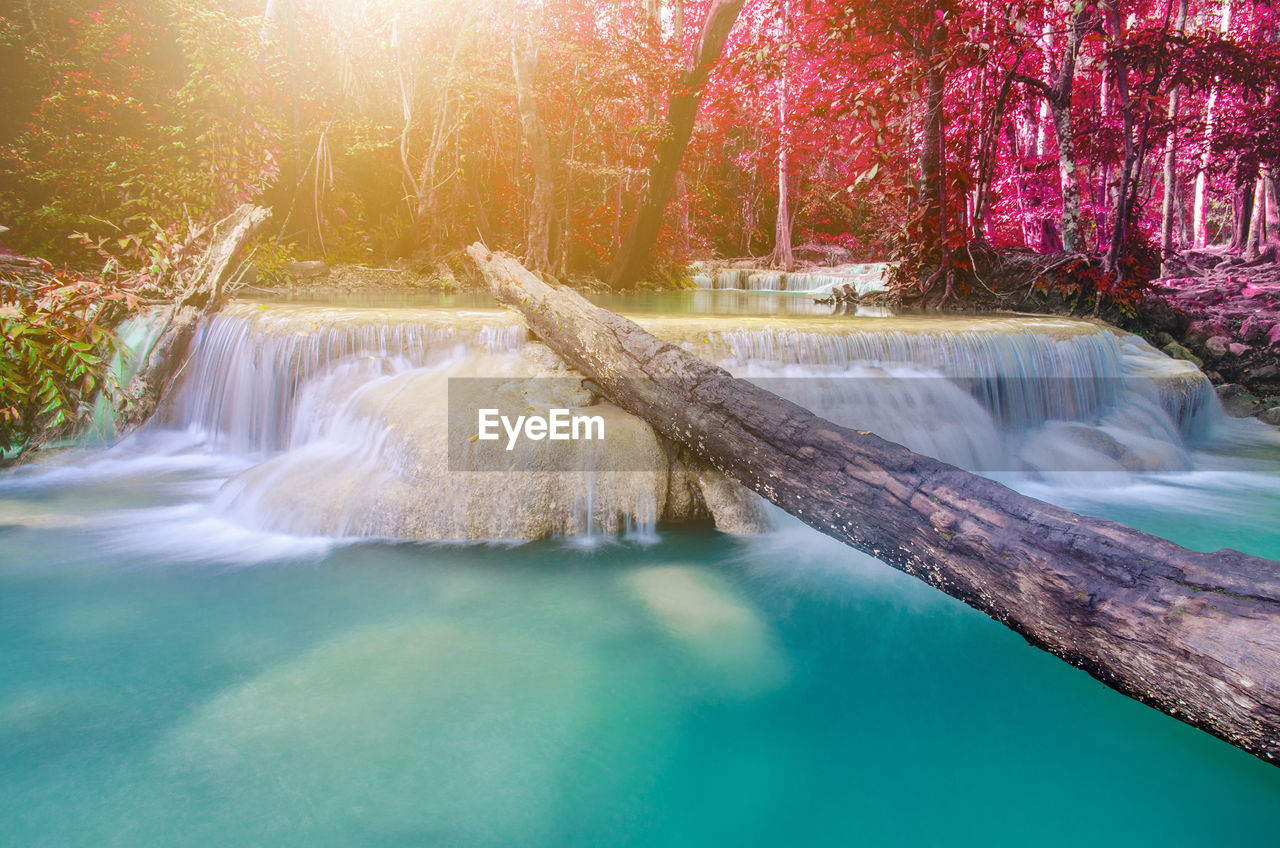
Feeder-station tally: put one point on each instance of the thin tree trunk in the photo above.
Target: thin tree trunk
(682, 110)
(1257, 228)
(782, 255)
(477, 203)
(542, 206)
(1242, 207)
(1196, 635)
(1170, 150)
(1273, 212)
(932, 189)
(1058, 97)
(1199, 212)
(1121, 209)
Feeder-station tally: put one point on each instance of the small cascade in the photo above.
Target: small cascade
(866, 277)
(370, 456)
(134, 340)
(250, 362)
(1023, 371)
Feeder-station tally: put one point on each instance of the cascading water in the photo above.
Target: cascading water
(250, 363)
(867, 277)
(343, 410)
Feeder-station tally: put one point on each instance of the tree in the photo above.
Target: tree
(782, 255)
(1058, 97)
(541, 212)
(1202, 176)
(1170, 150)
(682, 109)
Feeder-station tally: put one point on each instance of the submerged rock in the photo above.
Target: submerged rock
(701, 612)
(1237, 401)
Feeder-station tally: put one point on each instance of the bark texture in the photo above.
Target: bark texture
(682, 110)
(932, 195)
(1196, 635)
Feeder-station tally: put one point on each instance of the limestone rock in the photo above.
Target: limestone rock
(735, 509)
(403, 467)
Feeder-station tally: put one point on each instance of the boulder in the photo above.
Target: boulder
(1177, 351)
(1237, 349)
(1270, 416)
(1156, 313)
(1217, 347)
(1269, 373)
(1253, 329)
(1237, 401)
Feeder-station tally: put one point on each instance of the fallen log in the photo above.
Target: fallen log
(199, 292)
(1196, 635)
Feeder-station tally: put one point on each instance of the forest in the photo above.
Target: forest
(639, 422)
(816, 123)
(619, 140)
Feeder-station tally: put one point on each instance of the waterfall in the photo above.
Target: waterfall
(343, 411)
(864, 278)
(250, 362)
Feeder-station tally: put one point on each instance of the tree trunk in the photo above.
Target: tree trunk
(477, 204)
(1199, 212)
(1242, 204)
(782, 255)
(1121, 210)
(1170, 150)
(1064, 127)
(1258, 228)
(1058, 96)
(1273, 210)
(682, 109)
(1196, 635)
(932, 190)
(542, 206)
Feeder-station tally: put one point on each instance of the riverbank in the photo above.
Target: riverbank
(1223, 313)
